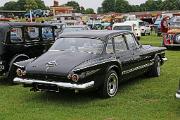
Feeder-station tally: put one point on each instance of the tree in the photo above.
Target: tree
(10, 6)
(89, 11)
(108, 6)
(75, 6)
(115, 6)
(40, 4)
(24, 5)
(30, 5)
(82, 10)
(122, 6)
(21, 4)
(100, 10)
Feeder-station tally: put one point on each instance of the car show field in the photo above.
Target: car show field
(143, 98)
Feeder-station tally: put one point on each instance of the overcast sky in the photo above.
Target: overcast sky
(86, 3)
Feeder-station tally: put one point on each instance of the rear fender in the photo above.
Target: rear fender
(17, 58)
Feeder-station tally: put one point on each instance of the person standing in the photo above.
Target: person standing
(164, 25)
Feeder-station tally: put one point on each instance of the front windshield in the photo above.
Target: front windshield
(122, 28)
(72, 29)
(141, 24)
(88, 45)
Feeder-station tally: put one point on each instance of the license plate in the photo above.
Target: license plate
(47, 87)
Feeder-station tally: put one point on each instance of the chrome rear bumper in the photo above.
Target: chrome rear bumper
(58, 84)
(164, 59)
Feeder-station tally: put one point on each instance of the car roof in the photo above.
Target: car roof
(101, 34)
(121, 24)
(76, 26)
(33, 24)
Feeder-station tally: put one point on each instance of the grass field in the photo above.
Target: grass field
(140, 99)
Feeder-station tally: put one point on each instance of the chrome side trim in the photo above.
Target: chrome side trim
(58, 84)
(18, 65)
(137, 68)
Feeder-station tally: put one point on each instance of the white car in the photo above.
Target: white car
(145, 28)
(128, 26)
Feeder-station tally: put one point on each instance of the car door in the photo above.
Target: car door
(32, 44)
(141, 61)
(123, 54)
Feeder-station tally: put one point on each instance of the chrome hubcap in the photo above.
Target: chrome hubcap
(112, 84)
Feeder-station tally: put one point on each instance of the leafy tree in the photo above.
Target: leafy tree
(75, 5)
(115, 6)
(30, 5)
(40, 4)
(108, 6)
(122, 6)
(10, 6)
(21, 4)
(24, 5)
(100, 10)
(89, 11)
(82, 10)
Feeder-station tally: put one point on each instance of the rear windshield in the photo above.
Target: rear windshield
(122, 28)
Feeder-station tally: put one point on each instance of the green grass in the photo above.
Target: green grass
(140, 99)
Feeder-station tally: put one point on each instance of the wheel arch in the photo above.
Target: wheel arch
(19, 56)
(160, 56)
(117, 68)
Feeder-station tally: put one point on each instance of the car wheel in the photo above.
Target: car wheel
(155, 70)
(110, 86)
(138, 38)
(143, 34)
(158, 34)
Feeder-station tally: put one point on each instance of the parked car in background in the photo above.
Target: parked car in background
(157, 26)
(145, 28)
(128, 26)
(1, 16)
(74, 28)
(90, 60)
(95, 25)
(172, 38)
(21, 41)
(38, 13)
(59, 28)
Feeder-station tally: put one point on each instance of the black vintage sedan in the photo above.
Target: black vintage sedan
(90, 60)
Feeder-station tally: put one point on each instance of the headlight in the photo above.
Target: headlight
(20, 72)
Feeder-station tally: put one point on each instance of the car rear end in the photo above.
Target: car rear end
(157, 27)
(172, 39)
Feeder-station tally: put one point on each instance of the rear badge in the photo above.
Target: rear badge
(51, 64)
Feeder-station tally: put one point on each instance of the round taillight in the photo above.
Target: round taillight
(75, 77)
(19, 72)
